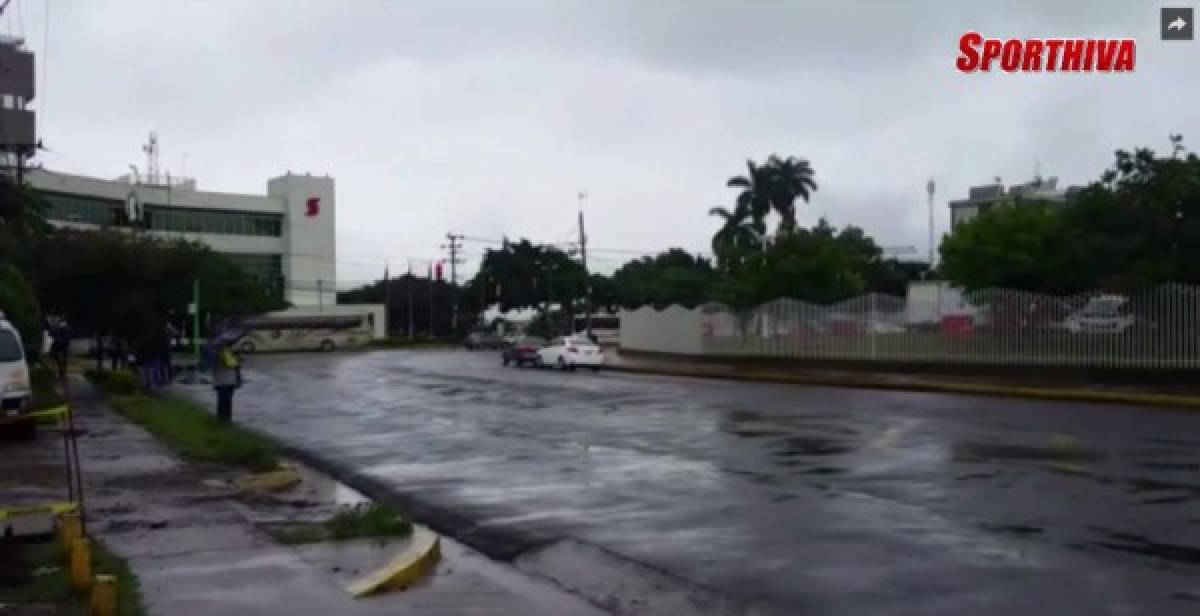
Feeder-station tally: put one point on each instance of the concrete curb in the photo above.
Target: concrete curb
(503, 544)
(518, 548)
(417, 560)
(1170, 401)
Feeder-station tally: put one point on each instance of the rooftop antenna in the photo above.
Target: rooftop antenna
(151, 150)
(1037, 171)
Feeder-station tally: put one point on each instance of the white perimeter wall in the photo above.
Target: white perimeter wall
(673, 330)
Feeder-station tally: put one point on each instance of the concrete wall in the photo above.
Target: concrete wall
(673, 330)
(309, 224)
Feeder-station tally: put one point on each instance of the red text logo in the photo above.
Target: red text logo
(312, 207)
(976, 53)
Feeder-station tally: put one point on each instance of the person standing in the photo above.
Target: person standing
(226, 378)
(60, 333)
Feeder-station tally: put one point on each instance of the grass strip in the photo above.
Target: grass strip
(358, 522)
(35, 575)
(188, 428)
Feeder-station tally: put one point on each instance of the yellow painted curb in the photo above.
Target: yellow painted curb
(270, 481)
(1173, 401)
(418, 559)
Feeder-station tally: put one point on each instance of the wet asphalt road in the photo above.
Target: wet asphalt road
(805, 500)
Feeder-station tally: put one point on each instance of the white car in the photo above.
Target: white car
(15, 392)
(569, 352)
(1103, 314)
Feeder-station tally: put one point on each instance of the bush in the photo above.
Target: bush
(115, 382)
(20, 307)
(45, 392)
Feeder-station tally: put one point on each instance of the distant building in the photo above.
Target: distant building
(983, 198)
(18, 139)
(284, 238)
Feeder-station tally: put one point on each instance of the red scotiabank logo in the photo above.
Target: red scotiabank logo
(1063, 55)
(312, 207)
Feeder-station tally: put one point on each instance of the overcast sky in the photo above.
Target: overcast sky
(489, 118)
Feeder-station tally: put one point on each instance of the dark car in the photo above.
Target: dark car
(523, 350)
(482, 340)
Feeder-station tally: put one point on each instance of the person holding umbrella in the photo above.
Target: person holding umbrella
(226, 377)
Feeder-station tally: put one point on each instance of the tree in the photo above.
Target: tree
(131, 286)
(1016, 246)
(791, 178)
(820, 265)
(754, 200)
(671, 277)
(522, 275)
(398, 313)
(20, 307)
(739, 233)
(22, 223)
(1138, 226)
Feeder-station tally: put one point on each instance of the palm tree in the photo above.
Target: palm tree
(754, 201)
(790, 178)
(738, 234)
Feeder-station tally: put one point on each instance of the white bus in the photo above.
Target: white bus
(311, 333)
(606, 327)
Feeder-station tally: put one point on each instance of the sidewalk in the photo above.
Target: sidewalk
(196, 549)
(1182, 399)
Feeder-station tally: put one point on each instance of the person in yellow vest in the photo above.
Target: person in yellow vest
(226, 378)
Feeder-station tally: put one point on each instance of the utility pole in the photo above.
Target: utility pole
(587, 280)
(431, 334)
(387, 301)
(409, 285)
(453, 246)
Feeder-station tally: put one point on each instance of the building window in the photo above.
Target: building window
(101, 212)
(267, 269)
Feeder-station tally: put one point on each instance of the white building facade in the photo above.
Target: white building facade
(285, 238)
(983, 198)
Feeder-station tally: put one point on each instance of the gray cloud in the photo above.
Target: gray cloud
(488, 117)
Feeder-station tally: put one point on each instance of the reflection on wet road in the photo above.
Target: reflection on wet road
(823, 501)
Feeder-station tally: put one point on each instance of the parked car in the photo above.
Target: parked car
(1103, 314)
(15, 391)
(482, 340)
(523, 350)
(570, 352)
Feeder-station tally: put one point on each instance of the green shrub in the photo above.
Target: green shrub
(44, 380)
(116, 382)
(20, 307)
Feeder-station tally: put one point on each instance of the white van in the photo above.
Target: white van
(15, 391)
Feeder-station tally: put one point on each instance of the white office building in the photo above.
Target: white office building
(285, 238)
